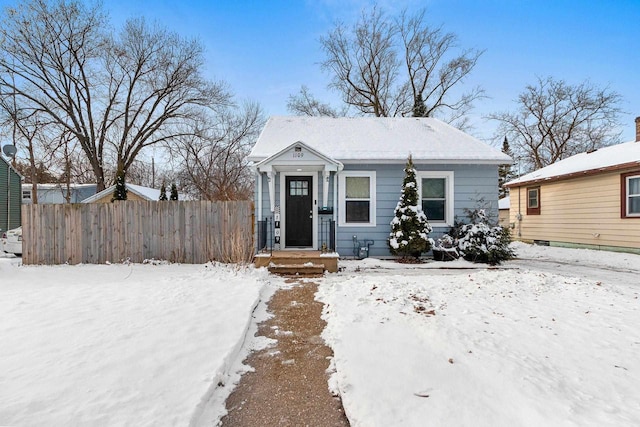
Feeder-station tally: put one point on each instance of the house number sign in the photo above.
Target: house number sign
(297, 153)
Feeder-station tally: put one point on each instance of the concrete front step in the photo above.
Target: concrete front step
(300, 262)
(307, 269)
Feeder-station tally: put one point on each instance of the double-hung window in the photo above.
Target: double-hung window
(631, 194)
(357, 198)
(533, 201)
(436, 196)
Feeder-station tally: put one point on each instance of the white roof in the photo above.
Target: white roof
(375, 139)
(614, 156)
(50, 185)
(504, 203)
(144, 192)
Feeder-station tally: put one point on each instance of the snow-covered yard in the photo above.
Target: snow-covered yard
(548, 339)
(505, 347)
(120, 344)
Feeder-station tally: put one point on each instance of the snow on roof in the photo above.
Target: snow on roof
(613, 156)
(144, 192)
(375, 139)
(52, 185)
(504, 203)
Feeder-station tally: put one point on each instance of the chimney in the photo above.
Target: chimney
(637, 129)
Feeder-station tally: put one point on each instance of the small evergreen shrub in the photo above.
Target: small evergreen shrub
(409, 236)
(120, 192)
(481, 242)
(163, 193)
(174, 192)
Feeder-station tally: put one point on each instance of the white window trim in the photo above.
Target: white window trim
(449, 195)
(628, 196)
(342, 210)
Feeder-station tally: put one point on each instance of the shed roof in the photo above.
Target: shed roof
(614, 157)
(376, 140)
(146, 193)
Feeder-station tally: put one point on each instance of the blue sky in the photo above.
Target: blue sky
(267, 49)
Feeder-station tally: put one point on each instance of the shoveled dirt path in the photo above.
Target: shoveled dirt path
(289, 384)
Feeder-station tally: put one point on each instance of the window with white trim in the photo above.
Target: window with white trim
(436, 196)
(632, 197)
(26, 194)
(357, 197)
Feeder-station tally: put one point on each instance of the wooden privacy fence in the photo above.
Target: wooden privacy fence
(96, 233)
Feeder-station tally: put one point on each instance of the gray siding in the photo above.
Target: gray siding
(13, 220)
(266, 213)
(50, 194)
(471, 184)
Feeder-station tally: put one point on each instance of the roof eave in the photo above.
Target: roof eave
(578, 174)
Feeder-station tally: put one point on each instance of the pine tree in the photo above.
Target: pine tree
(174, 192)
(163, 193)
(409, 227)
(419, 108)
(504, 171)
(120, 192)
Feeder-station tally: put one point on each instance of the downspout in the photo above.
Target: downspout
(519, 217)
(259, 195)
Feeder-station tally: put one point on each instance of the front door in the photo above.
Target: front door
(298, 211)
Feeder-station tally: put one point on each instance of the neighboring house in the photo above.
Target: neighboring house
(313, 170)
(10, 196)
(57, 193)
(588, 200)
(503, 212)
(134, 192)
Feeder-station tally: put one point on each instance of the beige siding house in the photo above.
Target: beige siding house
(503, 211)
(588, 200)
(134, 192)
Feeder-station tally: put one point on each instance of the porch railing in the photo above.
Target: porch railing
(327, 235)
(265, 235)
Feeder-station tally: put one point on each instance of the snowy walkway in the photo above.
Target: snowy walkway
(288, 386)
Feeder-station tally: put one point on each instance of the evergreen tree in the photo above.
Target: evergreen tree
(409, 227)
(419, 107)
(163, 193)
(120, 193)
(504, 171)
(174, 192)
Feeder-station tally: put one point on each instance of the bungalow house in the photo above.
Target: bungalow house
(590, 200)
(53, 193)
(10, 196)
(134, 192)
(335, 182)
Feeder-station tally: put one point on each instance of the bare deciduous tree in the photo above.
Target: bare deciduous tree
(556, 120)
(396, 67)
(434, 71)
(305, 104)
(212, 160)
(115, 94)
(34, 139)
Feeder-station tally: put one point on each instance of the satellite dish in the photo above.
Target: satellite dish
(9, 150)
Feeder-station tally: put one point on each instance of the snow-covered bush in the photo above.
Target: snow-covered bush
(481, 242)
(410, 228)
(445, 248)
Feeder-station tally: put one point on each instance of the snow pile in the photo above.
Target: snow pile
(119, 344)
(484, 348)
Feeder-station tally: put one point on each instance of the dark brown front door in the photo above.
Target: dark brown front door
(298, 211)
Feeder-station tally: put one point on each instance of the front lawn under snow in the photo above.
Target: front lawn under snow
(114, 345)
(504, 347)
(549, 339)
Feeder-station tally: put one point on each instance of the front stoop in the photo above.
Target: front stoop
(292, 263)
